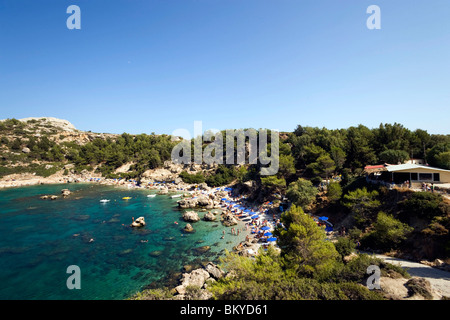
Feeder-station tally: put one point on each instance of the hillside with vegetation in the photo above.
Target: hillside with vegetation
(43, 147)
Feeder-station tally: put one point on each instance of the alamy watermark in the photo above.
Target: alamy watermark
(374, 21)
(74, 20)
(237, 143)
(74, 280)
(373, 281)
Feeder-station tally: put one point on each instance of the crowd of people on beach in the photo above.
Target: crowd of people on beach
(258, 222)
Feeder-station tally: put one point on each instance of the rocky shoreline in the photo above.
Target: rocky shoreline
(199, 280)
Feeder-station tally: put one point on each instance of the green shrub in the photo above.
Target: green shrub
(334, 191)
(301, 192)
(345, 246)
(192, 178)
(424, 204)
(222, 176)
(388, 232)
(362, 203)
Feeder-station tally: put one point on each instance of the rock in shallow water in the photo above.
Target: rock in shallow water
(188, 228)
(191, 216)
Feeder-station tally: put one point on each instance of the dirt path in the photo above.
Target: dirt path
(439, 279)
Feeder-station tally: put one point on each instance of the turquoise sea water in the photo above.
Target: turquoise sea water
(39, 239)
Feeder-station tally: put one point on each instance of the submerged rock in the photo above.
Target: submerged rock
(188, 268)
(202, 249)
(81, 217)
(125, 252)
(155, 253)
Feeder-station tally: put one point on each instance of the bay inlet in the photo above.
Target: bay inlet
(39, 239)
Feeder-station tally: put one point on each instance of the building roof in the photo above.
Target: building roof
(409, 166)
(372, 169)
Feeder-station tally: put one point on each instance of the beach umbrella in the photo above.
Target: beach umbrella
(255, 216)
(265, 228)
(323, 218)
(271, 239)
(267, 234)
(224, 199)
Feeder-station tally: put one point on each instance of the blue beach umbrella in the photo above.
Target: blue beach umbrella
(255, 216)
(323, 218)
(265, 228)
(267, 234)
(224, 199)
(271, 239)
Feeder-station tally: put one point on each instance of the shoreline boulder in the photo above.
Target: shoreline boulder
(191, 216)
(228, 220)
(209, 216)
(188, 228)
(196, 278)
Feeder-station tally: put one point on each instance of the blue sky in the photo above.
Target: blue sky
(143, 66)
